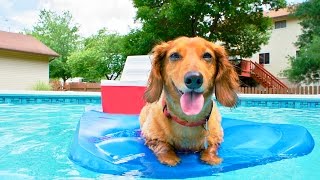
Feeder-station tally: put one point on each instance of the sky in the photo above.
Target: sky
(90, 15)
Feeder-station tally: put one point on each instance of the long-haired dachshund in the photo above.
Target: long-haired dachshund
(180, 114)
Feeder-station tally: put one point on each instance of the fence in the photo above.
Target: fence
(298, 90)
(95, 87)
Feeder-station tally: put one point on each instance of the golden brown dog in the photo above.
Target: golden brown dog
(180, 114)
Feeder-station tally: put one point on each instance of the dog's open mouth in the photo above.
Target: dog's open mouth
(191, 102)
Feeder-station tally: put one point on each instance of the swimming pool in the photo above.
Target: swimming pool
(36, 131)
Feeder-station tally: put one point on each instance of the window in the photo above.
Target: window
(280, 24)
(264, 58)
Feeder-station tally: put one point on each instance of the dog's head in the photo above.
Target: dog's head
(190, 70)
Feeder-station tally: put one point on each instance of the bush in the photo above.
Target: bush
(41, 86)
(305, 67)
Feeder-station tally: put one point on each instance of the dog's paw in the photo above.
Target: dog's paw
(170, 159)
(211, 159)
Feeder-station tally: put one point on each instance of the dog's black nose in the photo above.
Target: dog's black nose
(193, 80)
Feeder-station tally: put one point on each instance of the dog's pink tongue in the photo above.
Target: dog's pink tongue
(191, 103)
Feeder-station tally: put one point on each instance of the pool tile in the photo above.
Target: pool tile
(291, 104)
(283, 104)
(269, 104)
(97, 100)
(74, 100)
(297, 104)
(262, 104)
(58, 100)
(31, 100)
(2, 100)
(16, 100)
(67, 101)
(46, 100)
(49, 100)
(275, 104)
(279, 103)
(81, 101)
(312, 104)
(39, 101)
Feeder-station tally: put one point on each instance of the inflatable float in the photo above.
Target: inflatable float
(109, 142)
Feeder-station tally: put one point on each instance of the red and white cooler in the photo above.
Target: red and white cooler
(122, 97)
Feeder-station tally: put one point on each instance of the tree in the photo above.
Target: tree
(101, 57)
(58, 33)
(240, 24)
(137, 42)
(306, 66)
(309, 14)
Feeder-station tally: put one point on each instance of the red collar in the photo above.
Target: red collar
(183, 122)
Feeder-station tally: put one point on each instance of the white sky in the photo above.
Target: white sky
(91, 15)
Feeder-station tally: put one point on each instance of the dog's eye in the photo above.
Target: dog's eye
(207, 56)
(175, 56)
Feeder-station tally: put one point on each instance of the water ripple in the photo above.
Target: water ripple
(35, 139)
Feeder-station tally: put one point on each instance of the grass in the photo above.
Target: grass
(42, 86)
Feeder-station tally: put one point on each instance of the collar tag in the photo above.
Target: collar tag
(206, 136)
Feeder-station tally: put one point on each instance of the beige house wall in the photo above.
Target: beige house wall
(20, 71)
(281, 46)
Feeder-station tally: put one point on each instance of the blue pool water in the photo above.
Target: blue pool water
(34, 142)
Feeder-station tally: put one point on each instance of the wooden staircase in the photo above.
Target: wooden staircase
(260, 74)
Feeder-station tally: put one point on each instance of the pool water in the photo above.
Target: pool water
(35, 138)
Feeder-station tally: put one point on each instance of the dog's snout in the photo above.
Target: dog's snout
(193, 80)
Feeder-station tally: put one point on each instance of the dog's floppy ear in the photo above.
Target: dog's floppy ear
(155, 82)
(227, 79)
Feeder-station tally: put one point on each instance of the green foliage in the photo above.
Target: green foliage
(306, 66)
(139, 42)
(58, 33)
(102, 56)
(309, 14)
(41, 86)
(240, 24)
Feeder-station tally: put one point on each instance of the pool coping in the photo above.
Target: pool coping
(50, 93)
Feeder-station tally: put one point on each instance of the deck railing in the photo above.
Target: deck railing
(256, 71)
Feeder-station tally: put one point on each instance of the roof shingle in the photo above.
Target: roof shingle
(24, 43)
(278, 13)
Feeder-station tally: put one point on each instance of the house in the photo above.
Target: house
(274, 55)
(24, 61)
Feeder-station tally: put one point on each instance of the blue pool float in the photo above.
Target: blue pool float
(111, 143)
